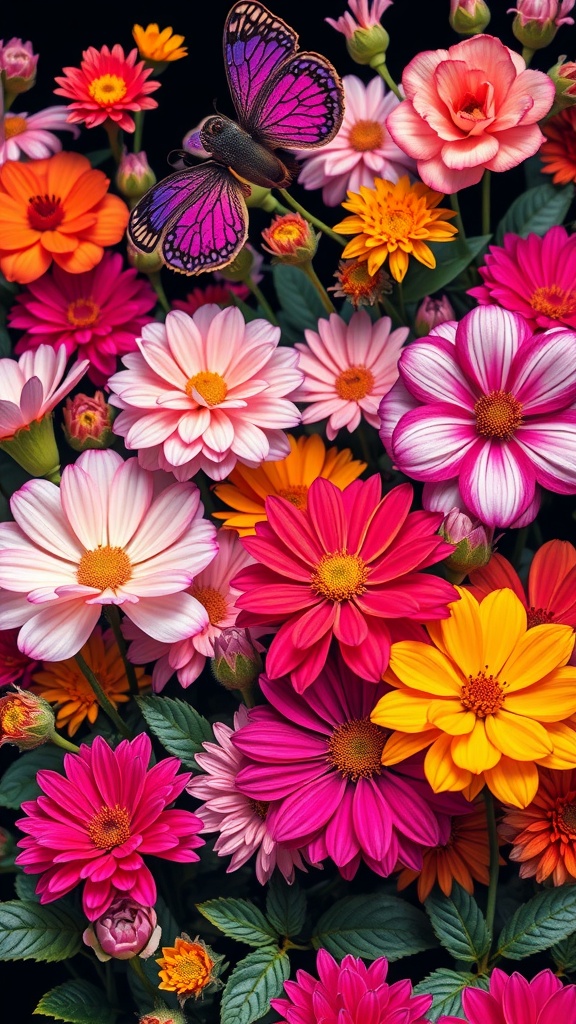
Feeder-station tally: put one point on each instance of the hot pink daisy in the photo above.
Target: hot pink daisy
(512, 999)
(362, 149)
(107, 85)
(205, 392)
(350, 993)
(32, 135)
(491, 403)
(240, 821)
(15, 667)
(348, 368)
(344, 567)
(100, 538)
(96, 824)
(533, 276)
(100, 313)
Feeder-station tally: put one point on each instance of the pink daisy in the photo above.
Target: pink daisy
(31, 387)
(350, 993)
(95, 825)
(491, 404)
(348, 368)
(100, 538)
(15, 667)
(220, 294)
(100, 313)
(318, 758)
(205, 392)
(344, 567)
(107, 85)
(533, 276)
(240, 821)
(511, 999)
(362, 150)
(32, 135)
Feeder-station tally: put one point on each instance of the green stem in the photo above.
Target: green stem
(310, 218)
(156, 282)
(391, 311)
(486, 203)
(401, 303)
(115, 139)
(102, 698)
(494, 858)
(136, 965)
(59, 741)
(139, 120)
(455, 204)
(381, 68)
(113, 616)
(262, 301)
(312, 276)
(527, 53)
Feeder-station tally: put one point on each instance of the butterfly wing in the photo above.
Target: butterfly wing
(255, 45)
(301, 106)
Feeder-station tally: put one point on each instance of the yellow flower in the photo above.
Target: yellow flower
(188, 968)
(63, 683)
(157, 46)
(289, 478)
(490, 698)
(395, 221)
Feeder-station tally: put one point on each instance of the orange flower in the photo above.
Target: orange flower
(543, 835)
(58, 210)
(188, 968)
(558, 153)
(157, 46)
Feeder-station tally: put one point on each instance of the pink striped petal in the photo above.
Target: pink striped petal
(341, 840)
(431, 373)
(538, 378)
(430, 442)
(549, 446)
(497, 482)
(387, 521)
(487, 339)
(58, 631)
(372, 818)
(293, 529)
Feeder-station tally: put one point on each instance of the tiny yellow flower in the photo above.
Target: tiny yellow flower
(158, 47)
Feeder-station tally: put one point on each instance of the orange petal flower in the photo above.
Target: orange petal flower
(543, 834)
(188, 968)
(558, 153)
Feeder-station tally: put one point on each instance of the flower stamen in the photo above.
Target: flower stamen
(498, 414)
(482, 694)
(339, 576)
(104, 568)
(355, 748)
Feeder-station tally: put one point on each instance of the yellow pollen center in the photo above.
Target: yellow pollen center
(288, 231)
(396, 224)
(354, 383)
(13, 719)
(110, 827)
(498, 414)
(82, 313)
(355, 749)
(339, 576)
(213, 601)
(538, 617)
(107, 90)
(482, 694)
(366, 135)
(564, 817)
(211, 386)
(14, 126)
(298, 495)
(553, 301)
(104, 568)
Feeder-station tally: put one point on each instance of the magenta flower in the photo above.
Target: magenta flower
(96, 824)
(124, 931)
(492, 404)
(32, 135)
(15, 667)
(512, 999)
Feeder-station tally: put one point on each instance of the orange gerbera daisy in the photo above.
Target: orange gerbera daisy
(558, 153)
(158, 47)
(189, 968)
(543, 835)
(247, 489)
(57, 209)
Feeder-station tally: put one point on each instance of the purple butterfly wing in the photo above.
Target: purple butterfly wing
(157, 207)
(255, 45)
(302, 106)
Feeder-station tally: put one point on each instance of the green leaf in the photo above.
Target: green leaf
(536, 210)
(297, 297)
(253, 983)
(99, 156)
(19, 780)
(446, 987)
(29, 931)
(459, 924)
(239, 919)
(373, 926)
(546, 919)
(77, 1002)
(451, 259)
(564, 955)
(25, 886)
(285, 906)
(178, 726)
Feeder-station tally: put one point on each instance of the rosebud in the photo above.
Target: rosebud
(563, 74)
(473, 542)
(290, 239)
(163, 1016)
(26, 720)
(88, 422)
(432, 312)
(134, 175)
(537, 21)
(125, 930)
(368, 45)
(236, 662)
(17, 67)
(468, 17)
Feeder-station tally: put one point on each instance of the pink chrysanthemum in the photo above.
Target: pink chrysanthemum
(348, 368)
(362, 149)
(490, 404)
(512, 999)
(97, 823)
(205, 392)
(100, 313)
(240, 821)
(344, 567)
(32, 135)
(107, 85)
(533, 276)
(100, 538)
(15, 667)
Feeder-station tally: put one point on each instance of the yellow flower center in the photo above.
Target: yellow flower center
(396, 224)
(213, 601)
(82, 313)
(354, 383)
(498, 414)
(482, 694)
(355, 749)
(110, 827)
(14, 126)
(286, 231)
(104, 568)
(553, 301)
(339, 576)
(107, 90)
(13, 719)
(211, 386)
(563, 818)
(187, 968)
(538, 617)
(297, 494)
(45, 212)
(366, 135)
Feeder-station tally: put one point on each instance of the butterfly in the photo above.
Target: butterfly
(197, 218)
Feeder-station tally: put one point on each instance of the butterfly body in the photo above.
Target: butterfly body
(232, 146)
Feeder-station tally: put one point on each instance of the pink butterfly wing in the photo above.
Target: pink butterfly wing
(255, 45)
(302, 106)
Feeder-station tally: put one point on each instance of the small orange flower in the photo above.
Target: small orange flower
(358, 286)
(188, 968)
(290, 239)
(158, 47)
(558, 153)
(543, 834)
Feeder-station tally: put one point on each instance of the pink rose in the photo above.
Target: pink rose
(125, 930)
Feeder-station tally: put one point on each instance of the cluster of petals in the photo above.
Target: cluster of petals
(96, 824)
(512, 999)
(363, 16)
(32, 135)
(543, 11)
(102, 537)
(348, 567)
(558, 154)
(107, 85)
(32, 386)
(205, 391)
(490, 405)
(542, 836)
(470, 108)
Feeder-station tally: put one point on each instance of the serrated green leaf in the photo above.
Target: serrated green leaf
(564, 955)
(285, 906)
(373, 926)
(298, 297)
(19, 780)
(178, 726)
(535, 211)
(77, 1002)
(25, 886)
(240, 920)
(548, 918)
(459, 924)
(452, 258)
(253, 983)
(29, 931)
(446, 987)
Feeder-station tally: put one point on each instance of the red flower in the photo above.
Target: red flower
(107, 85)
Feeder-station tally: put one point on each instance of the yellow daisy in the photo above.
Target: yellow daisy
(157, 46)
(490, 698)
(395, 220)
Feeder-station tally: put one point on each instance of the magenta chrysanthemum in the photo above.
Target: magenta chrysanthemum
(512, 999)
(95, 824)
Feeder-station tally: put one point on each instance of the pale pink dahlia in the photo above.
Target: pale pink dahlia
(240, 821)
(348, 368)
(362, 149)
(488, 404)
(511, 999)
(205, 392)
(32, 135)
(99, 313)
(97, 822)
(100, 538)
(31, 387)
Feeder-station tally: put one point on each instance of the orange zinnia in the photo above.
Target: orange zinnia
(543, 835)
(558, 153)
(58, 210)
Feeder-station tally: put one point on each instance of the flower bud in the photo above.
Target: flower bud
(537, 21)
(163, 1016)
(368, 45)
(26, 720)
(357, 285)
(261, 198)
(125, 930)
(473, 542)
(468, 17)
(145, 262)
(290, 239)
(236, 662)
(34, 448)
(134, 175)
(241, 266)
(563, 74)
(88, 422)
(432, 312)
(17, 67)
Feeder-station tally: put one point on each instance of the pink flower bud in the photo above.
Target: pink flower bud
(88, 422)
(366, 39)
(17, 66)
(563, 74)
(134, 175)
(236, 663)
(127, 929)
(537, 21)
(432, 312)
(468, 17)
(26, 720)
(473, 544)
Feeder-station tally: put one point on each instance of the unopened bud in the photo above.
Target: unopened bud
(125, 930)
(368, 45)
(17, 66)
(537, 21)
(473, 544)
(134, 175)
(290, 239)
(146, 262)
(26, 720)
(468, 17)
(432, 312)
(236, 662)
(262, 199)
(240, 267)
(563, 74)
(88, 422)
